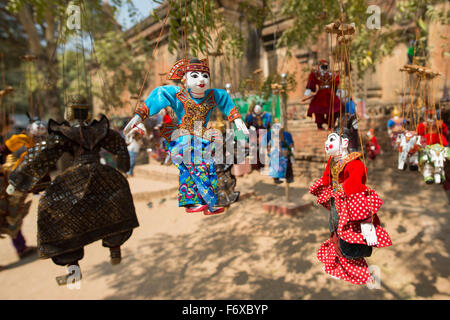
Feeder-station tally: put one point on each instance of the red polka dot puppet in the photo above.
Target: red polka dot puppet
(354, 223)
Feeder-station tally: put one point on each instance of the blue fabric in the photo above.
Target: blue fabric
(350, 107)
(278, 157)
(133, 157)
(266, 119)
(198, 177)
(165, 96)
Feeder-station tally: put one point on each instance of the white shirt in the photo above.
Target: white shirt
(133, 144)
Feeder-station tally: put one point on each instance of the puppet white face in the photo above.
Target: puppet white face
(198, 82)
(335, 145)
(37, 129)
(258, 109)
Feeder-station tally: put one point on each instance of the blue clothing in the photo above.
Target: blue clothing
(133, 157)
(252, 120)
(198, 178)
(279, 155)
(166, 96)
(350, 107)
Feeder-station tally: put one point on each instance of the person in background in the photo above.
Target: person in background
(134, 143)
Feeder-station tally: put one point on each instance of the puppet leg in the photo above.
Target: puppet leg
(114, 242)
(69, 259)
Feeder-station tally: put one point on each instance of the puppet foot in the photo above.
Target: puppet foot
(413, 167)
(198, 208)
(27, 252)
(116, 255)
(63, 280)
(277, 181)
(214, 211)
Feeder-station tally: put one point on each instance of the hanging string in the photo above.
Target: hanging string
(152, 57)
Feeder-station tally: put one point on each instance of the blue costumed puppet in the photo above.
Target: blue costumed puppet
(193, 105)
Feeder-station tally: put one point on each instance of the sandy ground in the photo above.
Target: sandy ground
(248, 253)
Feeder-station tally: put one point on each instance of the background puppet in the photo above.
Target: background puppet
(88, 201)
(257, 120)
(193, 104)
(354, 223)
(13, 208)
(325, 104)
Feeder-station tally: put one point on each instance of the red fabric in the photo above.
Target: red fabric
(355, 204)
(322, 100)
(373, 153)
(167, 119)
(431, 132)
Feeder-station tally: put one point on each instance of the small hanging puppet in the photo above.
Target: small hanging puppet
(325, 97)
(408, 144)
(258, 120)
(281, 157)
(432, 129)
(372, 146)
(88, 201)
(354, 224)
(395, 125)
(193, 104)
(432, 160)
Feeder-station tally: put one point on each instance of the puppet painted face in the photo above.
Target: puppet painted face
(37, 129)
(197, 81)
(335, 145)
(258, 109)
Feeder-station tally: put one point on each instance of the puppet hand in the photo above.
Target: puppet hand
(307, 92)
(368, 232)
(240, 125)
(10, 190)
(133, 122)
(372, 148)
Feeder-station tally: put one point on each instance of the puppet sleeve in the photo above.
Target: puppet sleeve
(356, 172)
(226, 105)
(159, 98)
(38, 161)
(115, 144)
(311, 85)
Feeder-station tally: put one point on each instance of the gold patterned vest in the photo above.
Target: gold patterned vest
(337, 166)
(194, 112)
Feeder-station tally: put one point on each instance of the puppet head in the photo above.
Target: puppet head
(36, 127)
(371, 133)
(337, 144)
(194, 73)
(258, 109)
(77, 108)
(323, 65)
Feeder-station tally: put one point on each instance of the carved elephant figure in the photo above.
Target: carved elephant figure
(432, 160)
(408, 144)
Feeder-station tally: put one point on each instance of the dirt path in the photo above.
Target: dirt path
(247, 253)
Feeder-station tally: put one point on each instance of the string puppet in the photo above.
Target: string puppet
(193, 104)
(281, 157)
(354, 224)
(324, 97)
(395, 125)
(372, 146)
(13, 208)
(257, 120)
(408, 144)
(88, 201)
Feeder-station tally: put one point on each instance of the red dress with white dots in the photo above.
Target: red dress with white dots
(355, 203)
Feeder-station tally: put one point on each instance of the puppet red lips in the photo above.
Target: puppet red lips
(201, 85)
